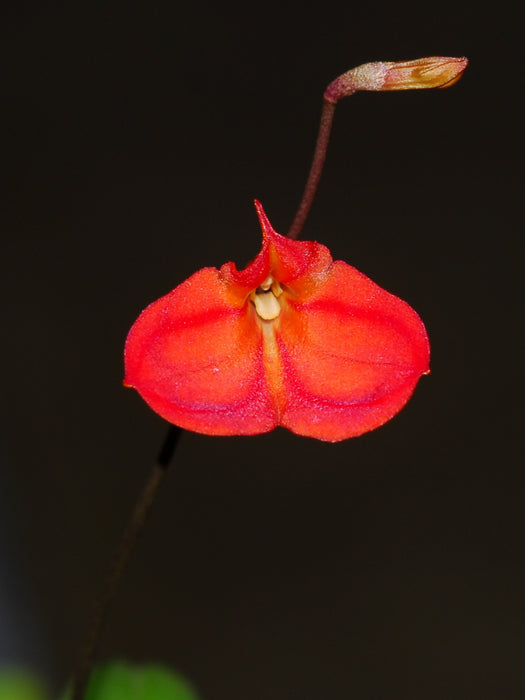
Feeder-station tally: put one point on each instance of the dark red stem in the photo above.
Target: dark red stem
(316, 169)
(123, 553)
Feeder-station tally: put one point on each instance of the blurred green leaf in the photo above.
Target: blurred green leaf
(120, 681)
(16, 684)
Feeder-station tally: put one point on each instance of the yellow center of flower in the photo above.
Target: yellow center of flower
(266, 299)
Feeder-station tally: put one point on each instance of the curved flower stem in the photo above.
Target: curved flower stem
(421, 73)
(316, 169)
(122, 555)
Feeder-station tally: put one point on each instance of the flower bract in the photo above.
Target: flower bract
(295, 339)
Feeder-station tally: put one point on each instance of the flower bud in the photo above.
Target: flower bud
(429, 72)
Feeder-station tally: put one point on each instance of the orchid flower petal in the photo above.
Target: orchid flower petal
(196, 357)
(352, 355)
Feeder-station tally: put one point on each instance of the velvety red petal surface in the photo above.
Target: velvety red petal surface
(351, 356)
(196, 358)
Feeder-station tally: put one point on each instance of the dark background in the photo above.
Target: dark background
(136, 137)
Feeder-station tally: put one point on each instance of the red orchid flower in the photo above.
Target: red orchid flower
(295, 339)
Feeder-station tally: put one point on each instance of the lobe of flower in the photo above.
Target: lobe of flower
(295, 339)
